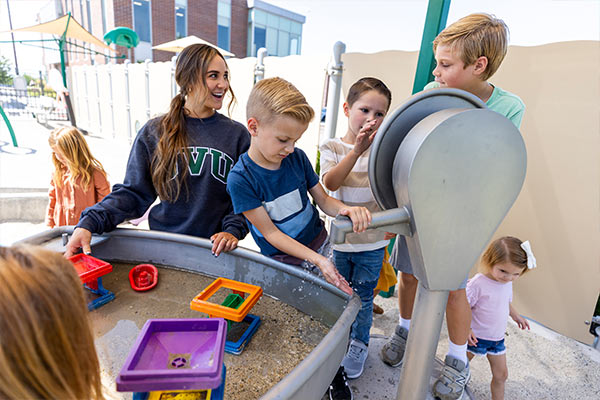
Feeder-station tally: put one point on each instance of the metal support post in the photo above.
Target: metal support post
(259, 69)
(334, 71)
(422, 342)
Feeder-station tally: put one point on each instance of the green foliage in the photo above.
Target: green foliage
(29, 78)
(5, 77)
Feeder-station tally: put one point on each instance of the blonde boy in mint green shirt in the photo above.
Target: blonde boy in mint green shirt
(501, 101)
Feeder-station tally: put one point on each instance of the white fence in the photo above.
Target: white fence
(116, 100)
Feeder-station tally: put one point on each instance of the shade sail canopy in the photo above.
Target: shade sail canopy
(67, 26)
(176, 46)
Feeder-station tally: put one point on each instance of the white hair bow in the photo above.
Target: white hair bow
(531, 264)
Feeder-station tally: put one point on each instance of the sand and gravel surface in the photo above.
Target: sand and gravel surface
(541, 364)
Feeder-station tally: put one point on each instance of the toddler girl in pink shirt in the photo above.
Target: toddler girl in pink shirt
(490, 296)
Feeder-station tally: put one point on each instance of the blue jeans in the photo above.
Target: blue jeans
(361, 270)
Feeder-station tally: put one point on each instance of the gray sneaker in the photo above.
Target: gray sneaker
(453, 380)
(392, 352)
(355, 358)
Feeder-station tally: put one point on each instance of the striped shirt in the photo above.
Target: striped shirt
(354, 191)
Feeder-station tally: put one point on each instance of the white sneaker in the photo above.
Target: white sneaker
(355, 358)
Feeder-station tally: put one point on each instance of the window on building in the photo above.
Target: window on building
(141, 19)
(180, 18)
(281, 36)
(224, 24)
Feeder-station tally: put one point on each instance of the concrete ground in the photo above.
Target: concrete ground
(542, 364)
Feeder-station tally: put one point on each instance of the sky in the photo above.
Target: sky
(367, 26)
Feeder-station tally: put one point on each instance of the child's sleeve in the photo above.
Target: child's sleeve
(51, 204)
(130, 199)
(244, 196)
(328, 158)
(101, 186)
(473, 291)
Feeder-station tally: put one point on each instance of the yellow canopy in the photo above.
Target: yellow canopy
(176, 46)
(67, 26)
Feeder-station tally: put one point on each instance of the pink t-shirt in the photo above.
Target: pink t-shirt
(489, 302)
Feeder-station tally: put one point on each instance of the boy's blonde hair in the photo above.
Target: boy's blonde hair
(46, 343)
(474, 36)
(275, 97)
(506, 249)
(72, 146)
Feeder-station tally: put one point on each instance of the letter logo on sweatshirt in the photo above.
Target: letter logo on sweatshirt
(196, 156)
(220, 166)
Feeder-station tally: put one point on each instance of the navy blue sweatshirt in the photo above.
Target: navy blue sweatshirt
(214, 146)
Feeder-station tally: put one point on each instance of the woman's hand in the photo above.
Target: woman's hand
(360, 216)
(80, 239)
(365, 137)
(223, 242)
(332, 275)
(472, 339)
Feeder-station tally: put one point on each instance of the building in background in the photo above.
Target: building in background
(239, 26)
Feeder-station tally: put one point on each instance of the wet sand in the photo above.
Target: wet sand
(263, 362)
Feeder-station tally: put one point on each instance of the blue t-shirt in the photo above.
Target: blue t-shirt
(282, 192)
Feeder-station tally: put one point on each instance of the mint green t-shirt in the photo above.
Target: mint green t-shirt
(501, 101)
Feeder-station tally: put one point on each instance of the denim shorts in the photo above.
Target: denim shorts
(493, 347)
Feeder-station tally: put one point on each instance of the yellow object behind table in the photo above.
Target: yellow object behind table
(387, 276)
(180, 395)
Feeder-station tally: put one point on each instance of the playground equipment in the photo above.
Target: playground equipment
(235, 308)
(176, 355)
(291, 285)
(91, 270)
(445, 170)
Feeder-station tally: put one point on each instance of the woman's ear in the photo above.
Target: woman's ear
(480, 65)
(252, 126)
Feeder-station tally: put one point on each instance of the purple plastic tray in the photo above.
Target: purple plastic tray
(175, 354)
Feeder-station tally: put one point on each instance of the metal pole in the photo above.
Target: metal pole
(147, 73)
(12, 35)
(422, 342)
(127, 103)
(334, 71)
(259, 69)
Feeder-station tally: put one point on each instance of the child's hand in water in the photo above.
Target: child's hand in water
(360, 216)
(365, 137)
(332, 275)
(472, 339)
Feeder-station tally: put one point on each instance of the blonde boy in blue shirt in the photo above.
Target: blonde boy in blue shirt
(467, 53)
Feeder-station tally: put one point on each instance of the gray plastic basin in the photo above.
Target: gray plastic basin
(314, 296)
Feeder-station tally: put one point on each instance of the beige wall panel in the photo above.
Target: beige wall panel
(558, 208)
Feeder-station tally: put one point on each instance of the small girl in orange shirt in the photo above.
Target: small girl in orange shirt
(79, 180)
